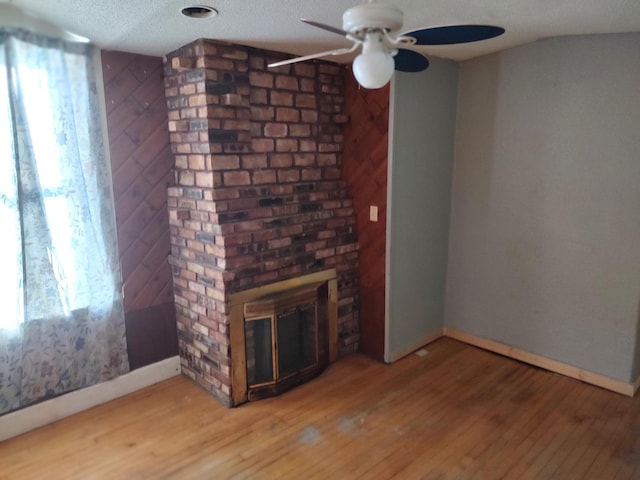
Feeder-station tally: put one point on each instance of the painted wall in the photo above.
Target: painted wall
(635, 373)
(545, 223)
(423, 111)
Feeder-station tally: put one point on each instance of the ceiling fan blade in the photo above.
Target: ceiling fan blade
(339, 51)
(410, 61)
(323, 26)
(453, 34)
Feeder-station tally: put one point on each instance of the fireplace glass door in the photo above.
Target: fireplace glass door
(258, 335)
(282, 341)
(296, 340)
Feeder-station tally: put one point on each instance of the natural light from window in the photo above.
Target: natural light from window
(59, 210)
(11, 276)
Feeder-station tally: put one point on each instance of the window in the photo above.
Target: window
(54, 127)
(11, 279)
(62, 321)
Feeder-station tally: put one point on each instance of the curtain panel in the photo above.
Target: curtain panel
(62, 325)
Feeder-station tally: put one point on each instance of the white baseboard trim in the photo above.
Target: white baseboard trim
(430, 337)
(30, 418)
(596, 379)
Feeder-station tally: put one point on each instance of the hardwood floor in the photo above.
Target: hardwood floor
(458, 412)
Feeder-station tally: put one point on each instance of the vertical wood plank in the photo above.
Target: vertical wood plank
(364, 167)
(139, 146)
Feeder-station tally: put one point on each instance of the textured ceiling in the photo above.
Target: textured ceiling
(156, 27)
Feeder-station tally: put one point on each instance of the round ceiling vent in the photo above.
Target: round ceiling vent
(199, 11)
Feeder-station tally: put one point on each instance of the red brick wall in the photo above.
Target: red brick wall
(259, 196)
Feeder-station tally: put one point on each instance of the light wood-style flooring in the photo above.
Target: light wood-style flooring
(458, 412)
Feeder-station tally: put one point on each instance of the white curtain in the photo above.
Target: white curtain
(62, 320)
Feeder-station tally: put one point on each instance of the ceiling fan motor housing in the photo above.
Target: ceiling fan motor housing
(371, 16)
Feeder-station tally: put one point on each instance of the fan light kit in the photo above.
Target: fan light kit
(372, 25)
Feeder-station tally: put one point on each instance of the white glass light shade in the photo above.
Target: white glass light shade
(373, 69)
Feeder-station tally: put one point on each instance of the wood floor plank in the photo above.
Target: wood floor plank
(404, 422)
(561, 445)
(464, 432)
(457, 413)
(488, 453)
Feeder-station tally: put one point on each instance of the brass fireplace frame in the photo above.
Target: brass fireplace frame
(237, 301)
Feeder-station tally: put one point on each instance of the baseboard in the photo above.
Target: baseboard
(636, 386)
(30, 418)
(430, 337)
(546, 363)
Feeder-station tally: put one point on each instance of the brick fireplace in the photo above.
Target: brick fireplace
(258, 198)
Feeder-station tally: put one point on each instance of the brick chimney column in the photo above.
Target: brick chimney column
(258, 196)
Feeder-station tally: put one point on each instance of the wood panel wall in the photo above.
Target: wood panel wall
(141, 162)
(365, 170)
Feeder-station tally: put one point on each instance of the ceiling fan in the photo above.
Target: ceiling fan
(372, 25)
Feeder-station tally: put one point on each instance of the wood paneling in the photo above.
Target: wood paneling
(151, 335)
(141, 163)
(458, 412)
(365, 170)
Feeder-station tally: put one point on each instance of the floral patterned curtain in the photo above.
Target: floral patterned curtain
(62, 320)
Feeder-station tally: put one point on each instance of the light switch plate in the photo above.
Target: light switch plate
(373, 213)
